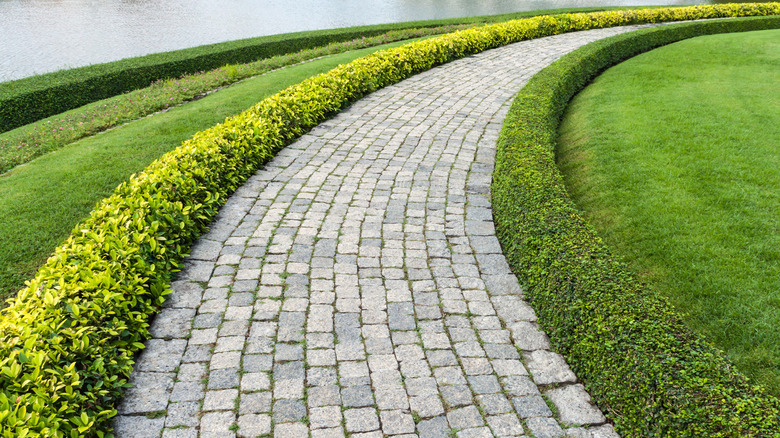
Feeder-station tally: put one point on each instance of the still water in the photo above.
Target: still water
(39, 36)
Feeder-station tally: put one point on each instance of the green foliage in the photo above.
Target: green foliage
(650, 374)
(68, 339)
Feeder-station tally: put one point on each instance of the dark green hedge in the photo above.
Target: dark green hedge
(30, 99)
(651, 375)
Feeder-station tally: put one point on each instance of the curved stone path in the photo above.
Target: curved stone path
(355, 287)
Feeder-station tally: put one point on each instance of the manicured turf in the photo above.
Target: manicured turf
(673, 156)
(41, 201)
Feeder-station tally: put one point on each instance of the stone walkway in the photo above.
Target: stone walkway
(355, 287)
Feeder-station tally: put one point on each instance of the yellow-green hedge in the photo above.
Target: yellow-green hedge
(68, 339)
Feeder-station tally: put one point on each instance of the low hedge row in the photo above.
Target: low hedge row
(68, 339)
(649, 372)
(30, 99)
(19, 146)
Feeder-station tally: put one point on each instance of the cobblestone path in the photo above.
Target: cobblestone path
(355, 287)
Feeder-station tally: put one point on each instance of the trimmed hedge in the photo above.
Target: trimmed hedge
(30, 99)
(650, 374)
(19, 146)
(68, 339)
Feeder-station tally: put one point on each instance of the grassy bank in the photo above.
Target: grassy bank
(23, 144)
(673, 158)
(43, 200)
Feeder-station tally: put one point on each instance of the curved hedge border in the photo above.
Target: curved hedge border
(30, 99)
(68, 339)
(19, 146)
(648, 371)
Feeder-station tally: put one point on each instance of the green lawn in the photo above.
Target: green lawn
(673, 157)
(41, 201)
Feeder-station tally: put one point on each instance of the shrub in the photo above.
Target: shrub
(643, 366)
(68, 339)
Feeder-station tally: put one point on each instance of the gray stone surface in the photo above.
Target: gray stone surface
(548, 367)
(361, 420)
(150, 393)
(396, 422)
(505, 425)
(324, 417)
(161, 356)
(574, 406)
(138, 426)
(544, 427)
(528, 336)
(217, 423)
(464, 418)
(603, 431)
(288, 410)
(252, 425)
(355, 286)
(531, 406)
(433, 428)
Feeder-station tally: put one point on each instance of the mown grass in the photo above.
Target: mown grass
(41, 201)
(673, 158)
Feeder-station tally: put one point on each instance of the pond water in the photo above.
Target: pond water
(39, 36)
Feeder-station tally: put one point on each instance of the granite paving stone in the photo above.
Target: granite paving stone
(544, 427)
(182, 414)
(548, 367)
(138, 426)
(574, 406)
(354, 286)
(505, 425)
(531, 406)
(361, 420)
(434, 428)
(161, 355)
(150, 393)
(253, 425)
